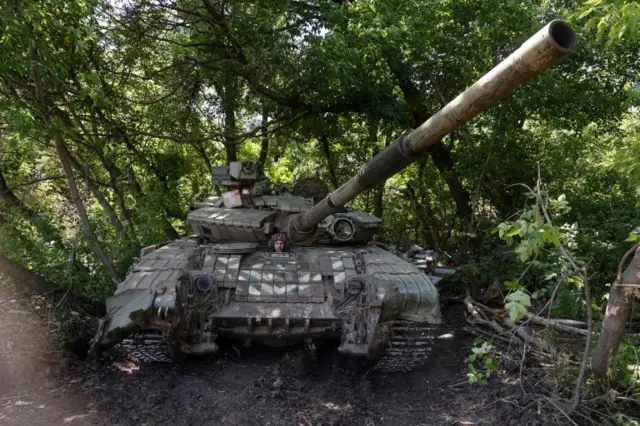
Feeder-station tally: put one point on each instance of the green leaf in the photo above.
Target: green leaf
(472, 378)
(523, 251)
(585, 13)
(520, 297)
(516, 311)
(517, 305)
(633, 238)
(512, 285)
(538, 293)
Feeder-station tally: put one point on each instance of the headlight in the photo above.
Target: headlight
(204, 283)
(354, 286)
(343, 229)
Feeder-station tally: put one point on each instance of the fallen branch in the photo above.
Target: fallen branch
(503, 327)
(519, 331)
(556, 324)
(487, 335)
(528, 338)
(469, 302)
(570, 323)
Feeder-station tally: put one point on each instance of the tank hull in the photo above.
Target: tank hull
(188, 294)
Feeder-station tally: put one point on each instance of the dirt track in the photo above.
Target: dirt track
(266, 387)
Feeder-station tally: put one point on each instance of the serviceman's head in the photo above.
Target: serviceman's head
(278, 242)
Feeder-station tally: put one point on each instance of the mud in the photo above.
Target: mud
(257, 387)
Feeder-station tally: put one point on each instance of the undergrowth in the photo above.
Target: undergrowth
(546, 256)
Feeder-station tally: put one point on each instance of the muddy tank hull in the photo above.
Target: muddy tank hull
(186, 295)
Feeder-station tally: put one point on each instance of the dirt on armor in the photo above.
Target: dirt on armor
(254, 387)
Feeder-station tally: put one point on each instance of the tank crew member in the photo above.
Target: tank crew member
(279, 242)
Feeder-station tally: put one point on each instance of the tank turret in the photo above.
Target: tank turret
(252, 210)
(280, 268)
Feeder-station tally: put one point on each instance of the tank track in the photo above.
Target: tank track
(144, 347)
(409, 347)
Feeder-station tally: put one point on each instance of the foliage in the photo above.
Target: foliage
(537, 241)
(614, 20)
(482, 354)
(626, 365)
(621, 419)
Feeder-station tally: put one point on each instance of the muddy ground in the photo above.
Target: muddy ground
(42, 384)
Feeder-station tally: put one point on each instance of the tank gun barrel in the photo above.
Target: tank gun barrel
(552, 42)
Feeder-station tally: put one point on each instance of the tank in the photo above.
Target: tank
(286, 267)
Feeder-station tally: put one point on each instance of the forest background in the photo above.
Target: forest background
(112, 113)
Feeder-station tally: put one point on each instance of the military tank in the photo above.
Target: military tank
(270, 266)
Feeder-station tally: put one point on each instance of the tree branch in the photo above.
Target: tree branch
(587, 295)
(31, 182)
(219, 135)
(161, 98)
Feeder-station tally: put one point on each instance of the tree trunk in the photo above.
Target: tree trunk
(438, 152)
(7, 195)
(114, 172)
(96, 146)
(136, 190)
(378, 203)
(203, 153)
(35, 283)
(169, 231)
(430, 237)
(264, 146)
(443, 161)
(26, 278)
(229, 96)
(615, 317)
(104, 203)
(378, 191)
(93, 239)
(46, 107)
(107, 207)
(326, 149)
(171, 210)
